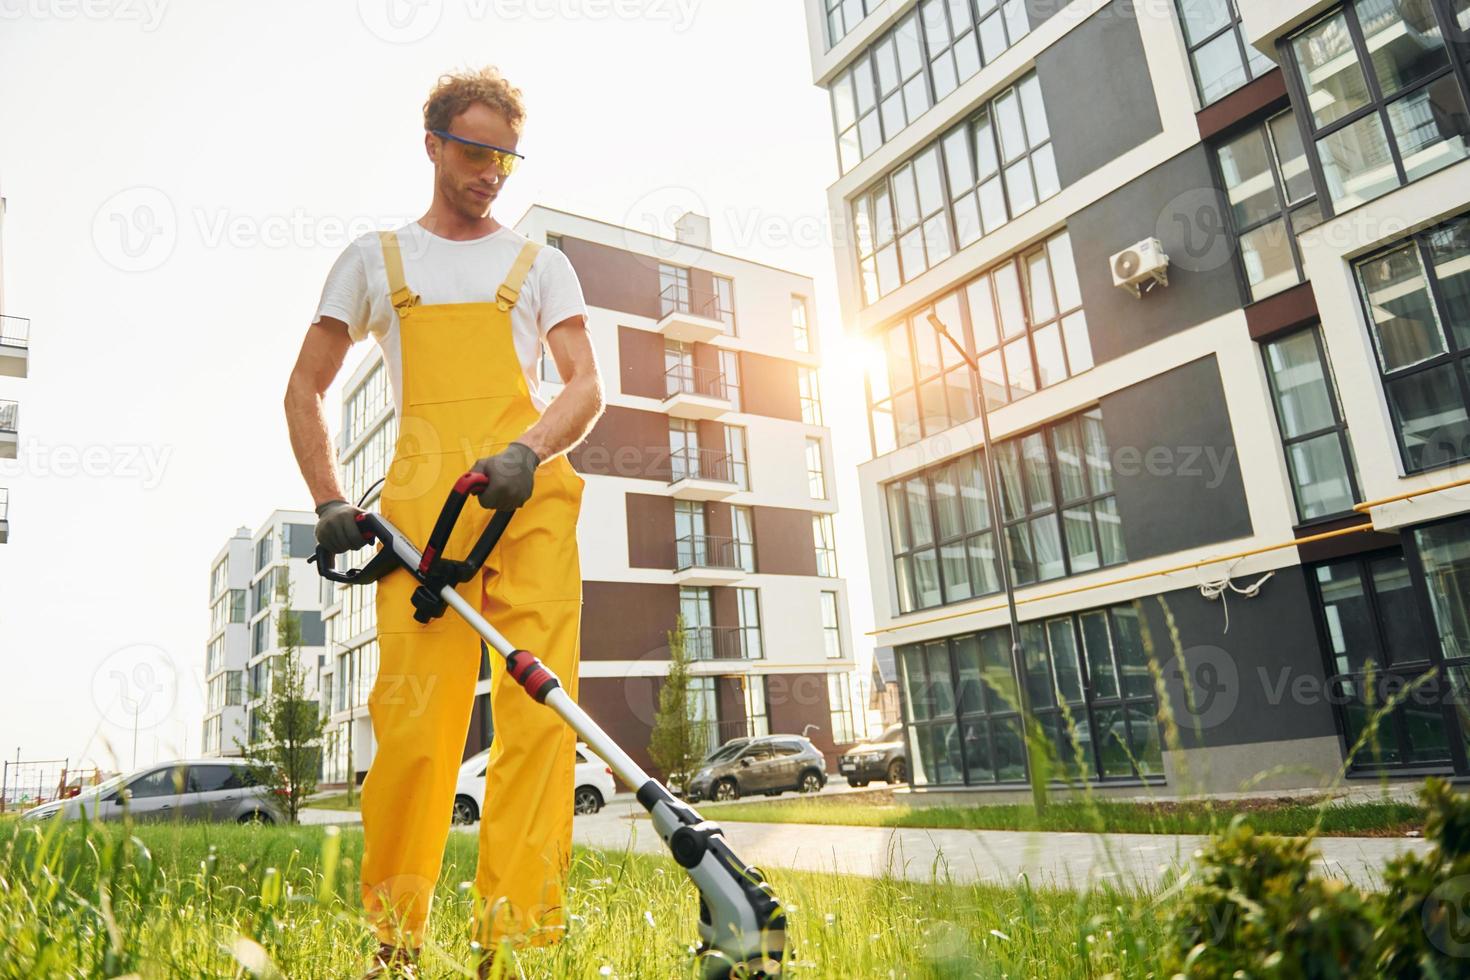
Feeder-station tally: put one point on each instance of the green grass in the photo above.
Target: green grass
(337, 802)
(1095, 816)
(198, 900)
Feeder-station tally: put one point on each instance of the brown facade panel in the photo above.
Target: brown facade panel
(795, 701)
(768, 386)
(726, 610)
(641, 362)
(1266, 92)
(627, 620)
(1287, 310)
(650, 530)
(614, 278)
(718, 521)
(625, 442)
(783, 541)
(624, 707)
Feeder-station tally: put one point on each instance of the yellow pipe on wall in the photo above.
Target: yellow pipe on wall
(1365, 507)
(1294, 542)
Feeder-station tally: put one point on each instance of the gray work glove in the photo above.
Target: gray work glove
(512, 473)
(337, 529)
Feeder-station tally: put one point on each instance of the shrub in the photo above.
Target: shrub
(1423, 911)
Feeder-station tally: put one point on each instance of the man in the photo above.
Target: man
(461, 307)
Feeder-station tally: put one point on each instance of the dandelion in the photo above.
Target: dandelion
(648, 917)
(830, 918)
(604, 971)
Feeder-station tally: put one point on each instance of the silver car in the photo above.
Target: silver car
(769, 764)
(206, 790)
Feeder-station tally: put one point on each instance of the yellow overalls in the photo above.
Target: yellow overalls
(464, 397)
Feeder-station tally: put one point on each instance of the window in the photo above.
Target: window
(1060, 513)
(826, 545)
(723, 304)
(816, 478)
(809, 390)
(357, 671)
(993, 167)
(263, 552)
(940, 535)
(554, 241)
(921, 60)
(673, 289)
(1417, 296)
(1220, 56)
(739, 469)
(843, 16)
(757, 716)
(728, 385)
(685, 461)
(1272, 201)
(218, 576)
(263, 592)
(742, 523)
(697, 609)
(1090, 691)
(839, 701)
(704, 701)
(368, 402)
(800, 331)
(748, 609)
(1318, 454)
(237, 605)
(831, 630)
(169, 781)
(214, 655)
(691, 544)
(261, 639)
(1386, 106)
(234, 687)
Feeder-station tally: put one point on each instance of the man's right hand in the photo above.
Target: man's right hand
(337, 529)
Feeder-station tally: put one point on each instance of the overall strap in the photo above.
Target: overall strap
(510, 290)
(398, 290)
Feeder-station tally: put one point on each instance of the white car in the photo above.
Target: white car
(594, 785)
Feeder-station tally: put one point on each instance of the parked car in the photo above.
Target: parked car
(594, 785)
(769, 764)
(884, 757)
(212, 790)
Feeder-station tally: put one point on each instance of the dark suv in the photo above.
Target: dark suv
(769, 764)
(884, 757)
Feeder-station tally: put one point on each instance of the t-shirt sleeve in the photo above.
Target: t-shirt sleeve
(345, 293)
(560, 292)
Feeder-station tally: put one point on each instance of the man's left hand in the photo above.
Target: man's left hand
(512, 473)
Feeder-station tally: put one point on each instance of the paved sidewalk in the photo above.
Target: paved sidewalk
(967, 856)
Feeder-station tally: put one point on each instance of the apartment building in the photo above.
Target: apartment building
(709, 495)
(251, 581)
(15, 333)
(1215, 274)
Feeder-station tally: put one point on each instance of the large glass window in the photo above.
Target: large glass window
(831, 630)
(816, 471)
(824, 539)
(748, 611)
(1386, 105)
(809, 390)
(839, 701)
(940, 534)
(996, 165)
(924, 58)
(1221, 58)
(842, 17)
(801, 333)
(1318, 454)
(742, 523)
(757, 716)
(1417, 296)
(1087, 680)
(1272, 201)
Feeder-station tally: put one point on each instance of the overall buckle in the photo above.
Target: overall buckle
(505, 297)
(403, 298)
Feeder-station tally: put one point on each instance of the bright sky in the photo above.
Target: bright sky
(179, 177)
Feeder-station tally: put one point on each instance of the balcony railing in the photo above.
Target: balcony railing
(678, 298)
(8, 412)
(686, 379)
(15, 331)
(705, 551)
(723, 643)
(702, 464)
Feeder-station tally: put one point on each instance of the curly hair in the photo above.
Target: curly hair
(455, 93)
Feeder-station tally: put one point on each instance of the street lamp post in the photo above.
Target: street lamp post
(997, 523)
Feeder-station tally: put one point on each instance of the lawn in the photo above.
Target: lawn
(1271, 816)
(337, 802)
(204, 900)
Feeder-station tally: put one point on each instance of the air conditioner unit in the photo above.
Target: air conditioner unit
(1140, 266)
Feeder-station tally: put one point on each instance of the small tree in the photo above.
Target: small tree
(286, 758)
(677, 743)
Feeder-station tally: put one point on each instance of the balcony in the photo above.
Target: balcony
(723, 643)
(8, 432)
(702, 474)
(695, 393)
(4, 515)
(700, 559)
(688, 319)
(15, 346)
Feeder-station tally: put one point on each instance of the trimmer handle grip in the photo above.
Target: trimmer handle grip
(381, 563)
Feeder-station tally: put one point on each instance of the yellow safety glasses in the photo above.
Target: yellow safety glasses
(483, 154)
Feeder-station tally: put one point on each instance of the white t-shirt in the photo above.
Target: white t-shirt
(441, 270)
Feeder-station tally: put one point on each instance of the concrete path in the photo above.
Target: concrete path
(967, 856)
